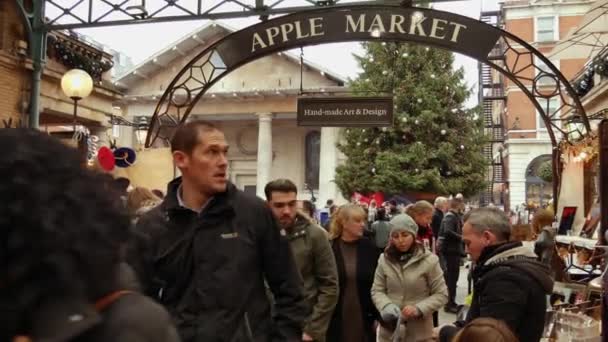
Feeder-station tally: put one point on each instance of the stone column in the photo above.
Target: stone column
(264, 163)
(328, 164)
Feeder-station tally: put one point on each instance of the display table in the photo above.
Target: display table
(581, 252)
(577, 241)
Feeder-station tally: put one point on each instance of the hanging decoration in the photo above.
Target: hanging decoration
(105, 157)
(584, 83)
(75, 55)
(584, 150)
(92, 148)
(124, 157)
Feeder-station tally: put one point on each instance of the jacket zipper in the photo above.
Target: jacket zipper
(248, 327)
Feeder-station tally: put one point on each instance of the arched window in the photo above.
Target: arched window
(313, 159)
(538, 191)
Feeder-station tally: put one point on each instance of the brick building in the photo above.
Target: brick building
(541, 23)
(66, 50)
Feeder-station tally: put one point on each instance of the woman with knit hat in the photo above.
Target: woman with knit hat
(408, 286)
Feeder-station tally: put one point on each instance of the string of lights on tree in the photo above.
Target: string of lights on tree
(73, 56)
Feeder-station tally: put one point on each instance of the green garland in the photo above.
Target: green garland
(74, 57)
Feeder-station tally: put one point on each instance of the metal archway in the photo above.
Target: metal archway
(440, 29)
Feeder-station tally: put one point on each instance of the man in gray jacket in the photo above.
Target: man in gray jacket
(313, 255)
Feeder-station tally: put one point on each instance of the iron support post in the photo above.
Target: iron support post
(603, 135)
(37, 45)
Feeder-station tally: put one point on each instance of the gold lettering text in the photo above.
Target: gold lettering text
(351, 26)
(299, 31)
(396, 22)
(272, 33)
(315, 24)
(376, 25)
(286, 29)
(416, 25)
(456, 33)
(436, 29)
(257, 40)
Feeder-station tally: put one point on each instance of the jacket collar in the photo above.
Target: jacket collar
(513, 254)
(299, 227)
(503, 255)
(493, 250)
(221, 203)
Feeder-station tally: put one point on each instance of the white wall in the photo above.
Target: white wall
(521, 154)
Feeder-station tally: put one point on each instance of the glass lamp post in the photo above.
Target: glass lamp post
(76, 84)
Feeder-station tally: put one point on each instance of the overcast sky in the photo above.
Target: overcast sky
(141, 41)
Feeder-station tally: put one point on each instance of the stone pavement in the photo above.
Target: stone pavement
(461, 293)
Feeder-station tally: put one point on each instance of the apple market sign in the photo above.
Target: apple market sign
(455, 33)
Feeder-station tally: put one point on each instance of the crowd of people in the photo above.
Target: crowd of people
(85, 260)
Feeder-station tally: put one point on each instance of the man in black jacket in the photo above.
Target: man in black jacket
(509, 283)
(452, 250)
(208, 247)
(441, 207)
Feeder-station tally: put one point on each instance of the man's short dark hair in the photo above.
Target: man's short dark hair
(187, 136)
(329, 202)
(279, 185)
(122, 184)
(381, 214)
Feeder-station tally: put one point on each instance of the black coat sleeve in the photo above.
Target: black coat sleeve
(449, 228)
(436, 223)
(283, 279)
(140, 252)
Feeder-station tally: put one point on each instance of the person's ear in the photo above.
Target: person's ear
(181, 159)
(488, 237)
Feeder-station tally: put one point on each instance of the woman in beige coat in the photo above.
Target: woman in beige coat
(408, 286)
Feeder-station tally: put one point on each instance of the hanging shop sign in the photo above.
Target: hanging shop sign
(345, 111)
(430, 27)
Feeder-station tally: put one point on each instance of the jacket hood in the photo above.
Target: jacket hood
(513, 254)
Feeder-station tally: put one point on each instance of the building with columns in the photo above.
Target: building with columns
(256, 108)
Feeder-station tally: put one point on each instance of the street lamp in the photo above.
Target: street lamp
(76, 84)
(575, 127)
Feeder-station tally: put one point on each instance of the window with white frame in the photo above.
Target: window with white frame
(554, 105)
(546, 29)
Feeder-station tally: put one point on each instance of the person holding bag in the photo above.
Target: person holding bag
(408, 286)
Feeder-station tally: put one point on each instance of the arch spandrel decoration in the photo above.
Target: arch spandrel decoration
(370, 23)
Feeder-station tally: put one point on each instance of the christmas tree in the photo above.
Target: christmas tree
(435, 143)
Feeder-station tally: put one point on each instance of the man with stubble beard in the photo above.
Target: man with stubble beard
(314, 257)
(205, 251)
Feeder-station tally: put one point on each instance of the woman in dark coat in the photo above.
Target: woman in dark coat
(63, 234)
(356, 258)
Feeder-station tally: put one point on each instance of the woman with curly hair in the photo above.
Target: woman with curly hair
(62, 236)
